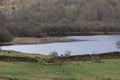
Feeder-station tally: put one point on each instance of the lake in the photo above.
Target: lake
(92, 45)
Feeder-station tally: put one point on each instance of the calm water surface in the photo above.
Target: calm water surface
(94, 45)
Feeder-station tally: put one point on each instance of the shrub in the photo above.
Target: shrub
(53, 54)
(67, 53)
(95, 58)
(5, 35)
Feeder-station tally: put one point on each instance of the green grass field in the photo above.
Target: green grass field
(73, 70)
(106, 70)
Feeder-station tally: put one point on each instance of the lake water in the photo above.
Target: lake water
(94, 45)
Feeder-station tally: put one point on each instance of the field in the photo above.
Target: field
(107, 69)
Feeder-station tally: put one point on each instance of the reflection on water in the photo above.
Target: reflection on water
(118, 44)
(97, 44)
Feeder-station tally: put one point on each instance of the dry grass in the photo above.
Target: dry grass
(32, 40)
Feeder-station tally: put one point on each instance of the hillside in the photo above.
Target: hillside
(71, 10)
(39, 18)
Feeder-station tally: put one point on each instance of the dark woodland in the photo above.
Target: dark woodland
(41, 18)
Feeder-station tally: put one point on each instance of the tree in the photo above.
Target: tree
(5, 36)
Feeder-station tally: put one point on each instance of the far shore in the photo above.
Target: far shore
(32, 40)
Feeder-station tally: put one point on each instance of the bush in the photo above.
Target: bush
(5, 35)
(95, 58)
(31, 32)
(53, 54)
(67, 53)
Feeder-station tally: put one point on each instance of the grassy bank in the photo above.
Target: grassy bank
(107, 69)
(88, 57)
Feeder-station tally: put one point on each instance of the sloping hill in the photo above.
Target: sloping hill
(9, 6)
(39, 18)
(65, 10)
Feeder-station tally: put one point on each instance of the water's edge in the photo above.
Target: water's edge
(76, 45)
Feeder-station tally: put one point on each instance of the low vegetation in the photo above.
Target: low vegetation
(106, 69)
(33, 40)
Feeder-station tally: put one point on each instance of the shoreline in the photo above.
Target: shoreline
(89, 57)
(32, 40)
(34, 57)
(43, 40)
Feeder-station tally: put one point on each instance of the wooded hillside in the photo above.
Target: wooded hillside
(38, 18)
